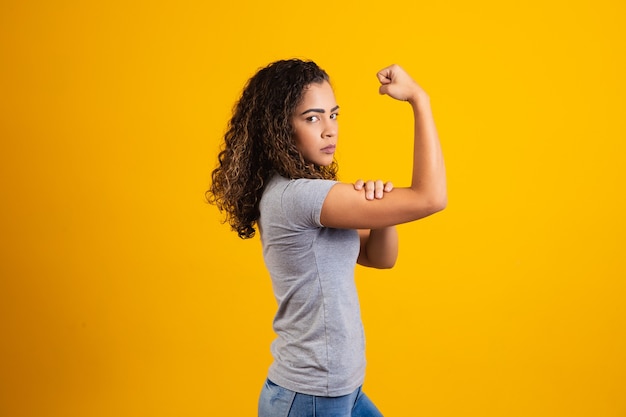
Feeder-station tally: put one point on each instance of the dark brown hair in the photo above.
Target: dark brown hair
(259, 142)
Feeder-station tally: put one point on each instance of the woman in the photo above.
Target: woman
(277, 171)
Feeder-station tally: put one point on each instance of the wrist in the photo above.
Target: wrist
(419, 99)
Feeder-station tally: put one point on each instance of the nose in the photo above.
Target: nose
(330, 129)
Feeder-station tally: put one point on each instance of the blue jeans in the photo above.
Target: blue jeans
(276, 401)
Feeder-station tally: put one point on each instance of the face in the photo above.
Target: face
(315, 124)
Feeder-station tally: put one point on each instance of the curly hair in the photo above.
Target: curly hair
(259, 143)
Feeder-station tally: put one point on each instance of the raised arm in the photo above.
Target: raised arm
(345, 207)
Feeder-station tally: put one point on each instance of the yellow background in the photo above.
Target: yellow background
(121, 294)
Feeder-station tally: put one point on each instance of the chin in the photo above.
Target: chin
(322, 162)
(326, 163)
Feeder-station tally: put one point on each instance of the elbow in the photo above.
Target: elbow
(383, 259)
(383, 263)
(440, 199)
(387, 265)
(380, 263)
(437, 203)
(440, 203)
(430, 201)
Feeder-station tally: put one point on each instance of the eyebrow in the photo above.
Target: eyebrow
(334, 109)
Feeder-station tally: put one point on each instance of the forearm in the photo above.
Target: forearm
(429, 174)
(379, 248)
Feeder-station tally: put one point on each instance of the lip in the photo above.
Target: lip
(329, 149)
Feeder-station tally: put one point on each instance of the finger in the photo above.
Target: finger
(378, 193)
(369, 190)
(388, 186)
(358, 185)
(384, 75)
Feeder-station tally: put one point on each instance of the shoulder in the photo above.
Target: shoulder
(299, 200)
(300, 187)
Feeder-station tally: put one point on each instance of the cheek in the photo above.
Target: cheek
(301, 135)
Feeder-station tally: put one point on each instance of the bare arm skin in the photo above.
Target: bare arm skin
(345, 207)
(379, 247)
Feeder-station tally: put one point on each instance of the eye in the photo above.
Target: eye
(312, 119)
(334, 116)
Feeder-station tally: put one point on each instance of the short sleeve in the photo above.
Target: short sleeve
(302, 201)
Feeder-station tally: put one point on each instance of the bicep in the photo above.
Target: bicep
(347, 208)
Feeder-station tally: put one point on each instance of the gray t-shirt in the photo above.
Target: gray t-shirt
(320, 348)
